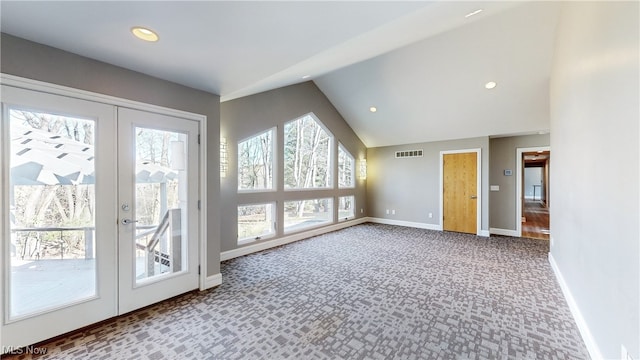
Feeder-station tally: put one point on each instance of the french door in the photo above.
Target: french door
(99, 212)
(158, 205)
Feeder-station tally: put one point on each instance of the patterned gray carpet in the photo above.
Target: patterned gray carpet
(366, 292)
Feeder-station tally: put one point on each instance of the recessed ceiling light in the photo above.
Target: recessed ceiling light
(475, 12)
(373, 109)
(145, 34)
(306, 76)
(490, 85)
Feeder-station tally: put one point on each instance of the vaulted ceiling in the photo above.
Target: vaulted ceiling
(423, 65)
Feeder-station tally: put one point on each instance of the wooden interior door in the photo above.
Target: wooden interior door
(460, 192)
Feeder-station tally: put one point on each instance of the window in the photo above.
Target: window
(255, 162)
(304, 214)
(255, 222)
(346, 205)
(346, 168)
(307, 154)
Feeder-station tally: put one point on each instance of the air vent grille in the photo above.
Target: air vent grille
(409, 153)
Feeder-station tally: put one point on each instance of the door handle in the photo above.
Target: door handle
(474, 197)
(128, 221)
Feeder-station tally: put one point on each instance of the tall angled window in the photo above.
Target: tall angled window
(255, 162)
(346, 168)
(307, 154)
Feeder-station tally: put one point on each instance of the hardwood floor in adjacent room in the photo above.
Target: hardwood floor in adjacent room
(536, 225)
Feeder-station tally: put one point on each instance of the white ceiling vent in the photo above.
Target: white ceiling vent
(409, 153)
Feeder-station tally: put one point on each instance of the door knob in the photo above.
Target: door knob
(128, 221)
(474, 197)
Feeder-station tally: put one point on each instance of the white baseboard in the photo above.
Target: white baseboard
(212, 281)
(246, 250)
(588, 339)
(418, 225)
(504, 232)
(405, 223)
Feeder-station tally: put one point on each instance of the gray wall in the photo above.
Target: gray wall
(595, 111)
(244, 117)
(411, 186)
(533, 176)
(503, 156)
(35, 61)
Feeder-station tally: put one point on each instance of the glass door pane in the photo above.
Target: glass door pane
(160, 198)
(52, 211)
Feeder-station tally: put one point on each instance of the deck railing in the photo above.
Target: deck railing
(169, 253)
(31, 251)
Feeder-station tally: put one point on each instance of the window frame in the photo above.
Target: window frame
(353, 207)
(274, 162)
(274, 227)
(330, 150)
(342, 148)
(314, 226)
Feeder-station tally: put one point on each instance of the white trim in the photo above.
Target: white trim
(203, 205)
(35, 85)
(251, 240)
(519, 175)
(588, 339)
(246, 250)
(212, 281)
(478, 152)
(484, 233)
(504, 232)
(406, 223)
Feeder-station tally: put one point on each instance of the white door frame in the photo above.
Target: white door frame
(35, 85)
(478, 152)
(519, 175)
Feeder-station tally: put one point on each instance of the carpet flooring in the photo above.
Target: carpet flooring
(367, 292)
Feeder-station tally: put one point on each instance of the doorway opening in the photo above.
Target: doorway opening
(534, 193)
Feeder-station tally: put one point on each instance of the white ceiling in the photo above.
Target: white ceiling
(423, 64)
